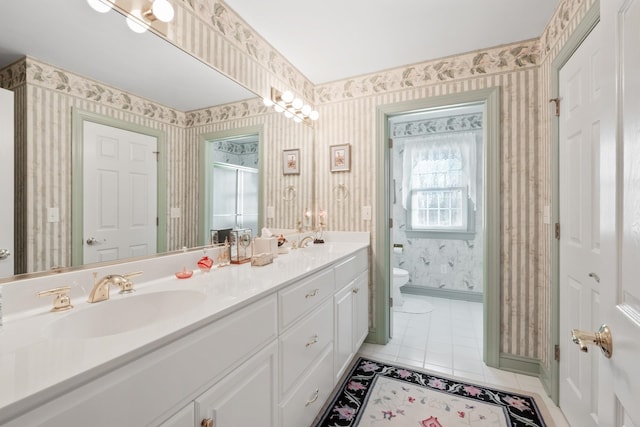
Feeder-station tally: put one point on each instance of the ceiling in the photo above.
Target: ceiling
(335, 39)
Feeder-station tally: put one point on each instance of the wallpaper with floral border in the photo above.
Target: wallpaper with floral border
(241, 154)
(489, 61)
(235, 49)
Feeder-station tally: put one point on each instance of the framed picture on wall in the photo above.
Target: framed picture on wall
(340, 158)
(291, 162)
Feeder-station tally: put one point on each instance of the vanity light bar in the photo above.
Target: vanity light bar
(141, 14)
(292, 107)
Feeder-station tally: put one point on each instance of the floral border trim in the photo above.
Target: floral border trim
(489, 61)
(13, 75)
(438, 125)
(49, 77)
(236, 148)
(226, 112)
(565, 12)
(219, 17)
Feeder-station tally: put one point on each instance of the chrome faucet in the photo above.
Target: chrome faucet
(100, 291)
(305, 241)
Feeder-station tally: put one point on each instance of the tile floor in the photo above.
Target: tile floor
(448, 340)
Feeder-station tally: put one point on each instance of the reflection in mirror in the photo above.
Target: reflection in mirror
(231, 194)
(87, 65)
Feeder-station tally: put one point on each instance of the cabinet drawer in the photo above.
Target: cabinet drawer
(296, 300)
(311, 393)
(347, 270)
(303, 343)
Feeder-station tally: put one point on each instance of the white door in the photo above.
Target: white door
(120, 193)
(580, 95)
(6, 183)
(620, 213)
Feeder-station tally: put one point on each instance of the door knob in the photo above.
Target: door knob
(94, 241)
(207, 422)
(602, 339)
(4, 253)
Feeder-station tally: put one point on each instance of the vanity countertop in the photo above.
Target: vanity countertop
(39, 359)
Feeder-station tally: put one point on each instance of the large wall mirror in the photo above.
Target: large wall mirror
(63, 61)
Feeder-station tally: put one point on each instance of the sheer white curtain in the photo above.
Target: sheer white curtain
(430, 160)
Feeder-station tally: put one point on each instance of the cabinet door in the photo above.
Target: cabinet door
(183, 418)
(245, 397)
(361, 309)
(343, 338)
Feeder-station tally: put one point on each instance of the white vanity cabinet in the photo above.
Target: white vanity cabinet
(306, 347)
(183, 418)
(246, 397)
(351, 310)
(270, 362)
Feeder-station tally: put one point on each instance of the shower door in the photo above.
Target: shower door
(234, 201)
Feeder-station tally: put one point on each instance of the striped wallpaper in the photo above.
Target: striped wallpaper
(211, 31)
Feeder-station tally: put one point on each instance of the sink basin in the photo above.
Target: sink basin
(123, 313)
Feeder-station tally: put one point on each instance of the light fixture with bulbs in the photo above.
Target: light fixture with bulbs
(141, 14)
(292, 107)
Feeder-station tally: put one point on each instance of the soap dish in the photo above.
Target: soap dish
(184, 274)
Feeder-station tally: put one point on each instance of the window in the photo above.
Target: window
(439, 209)
(439, 181)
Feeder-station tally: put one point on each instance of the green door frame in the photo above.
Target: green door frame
(491, 275)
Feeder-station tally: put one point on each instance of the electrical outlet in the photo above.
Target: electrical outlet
(53, 215)
(366, 213)
(271, 212)
(443, 268)
(175, 213)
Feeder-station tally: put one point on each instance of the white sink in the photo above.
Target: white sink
(123, 313)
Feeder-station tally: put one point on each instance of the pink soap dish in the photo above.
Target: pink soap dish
(184, 274)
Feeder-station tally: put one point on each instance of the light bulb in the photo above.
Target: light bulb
(306, 109)
(278, 108)
(136, 25)
(267, 102)
(101, 6)
(162, 10)
(297, 103)
(314, 115)
(287, 96)
(288, 114)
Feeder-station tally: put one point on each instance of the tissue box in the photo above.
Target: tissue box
(261, 259)
(265, 245)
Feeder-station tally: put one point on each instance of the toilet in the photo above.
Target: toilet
(400, 277)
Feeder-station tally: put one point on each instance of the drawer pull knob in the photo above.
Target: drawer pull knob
(313, 341)
(312, 294)
(355, 290)
(207, 422)
(314, 398)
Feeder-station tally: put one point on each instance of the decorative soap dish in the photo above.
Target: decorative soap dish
(184, 274)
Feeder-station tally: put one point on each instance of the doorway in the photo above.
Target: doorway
(118, 208)
(579, 206)
(230, 180)
(490, 105)
(437, 234)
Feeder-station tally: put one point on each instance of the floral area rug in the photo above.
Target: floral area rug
(376, 393)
